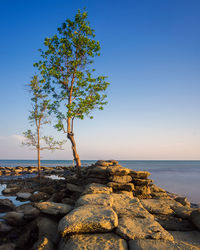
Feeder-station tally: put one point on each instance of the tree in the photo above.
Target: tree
(38, 117)
(66, 67)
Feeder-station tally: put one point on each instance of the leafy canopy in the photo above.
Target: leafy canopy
(67, 73)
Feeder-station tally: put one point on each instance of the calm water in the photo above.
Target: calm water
(181, 177)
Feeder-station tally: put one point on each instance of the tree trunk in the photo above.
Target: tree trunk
(38, 152)
(70, 136)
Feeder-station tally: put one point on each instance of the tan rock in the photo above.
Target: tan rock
(141, 228)
(95, 188)
(88, 219)
(160, 206)
(105, 241)
(121, 186)
(120, 178)
(140, 174)
(125, 205)
(95, 199)
(53, 208)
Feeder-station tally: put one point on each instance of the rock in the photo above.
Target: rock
(140, 174)
(48, 228)
(103, 163)
(43, 244)
(191, 237)
(125, 205)
(120, 178)
(160, 206)
(183, 212)
(74, 188)
(29, 211)
(6, 205)
(8, 246)
(88, 219)
(142, 191)
(14, 218)
(121, 186)
(148, 244)
(68, 201)
(141, 228)
(93, 242)
(142, 182)
(155, 189)
(95, 199)
(53, 208)
(195, 218)
(173, 223)
(95, 188)
(4, 228)
(9, 191)
(183, 200)
(23, 196)
(39, 196)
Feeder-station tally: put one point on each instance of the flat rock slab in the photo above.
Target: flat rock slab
(23, 196)
(95, 188)
(124, 205)
(93, 242)
(141, 228)
(191, 237)
(161, 206)
(53, 208)
(95, 199)
(14, 218)
(88, 219)
(140, 174)
(148, 244)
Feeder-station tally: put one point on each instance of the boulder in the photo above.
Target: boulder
(47, 228)
(183, 212)
(142, 182)
(23, 196)
(43, 244)
(88, 219)
(93, 242)
(183, 200)
(29, 211)
(53, 208)
(6, 205)
(95, 188)
(14, 218)
(125, 205)
(121, 186)
(160, 206)
(141, 228)
(142, 191)
(95, 199)
(68, 201)
(149, 244)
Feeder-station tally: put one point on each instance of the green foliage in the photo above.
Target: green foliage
(38, 117)
(65, 66)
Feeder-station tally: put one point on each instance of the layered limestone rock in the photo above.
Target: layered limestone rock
(88, 219)
(53, 208)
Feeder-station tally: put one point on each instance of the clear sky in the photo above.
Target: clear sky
(150, 51)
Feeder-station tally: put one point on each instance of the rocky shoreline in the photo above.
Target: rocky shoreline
(109, 207)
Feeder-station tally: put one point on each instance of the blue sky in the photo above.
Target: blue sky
(151, 55)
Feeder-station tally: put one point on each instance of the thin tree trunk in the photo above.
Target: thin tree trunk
(38, 152)
(70, 136)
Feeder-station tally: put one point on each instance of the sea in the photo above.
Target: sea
(180, 177)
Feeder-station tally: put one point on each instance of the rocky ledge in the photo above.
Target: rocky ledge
(109, 207)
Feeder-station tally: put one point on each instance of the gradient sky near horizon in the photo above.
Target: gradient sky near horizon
(150, 51)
